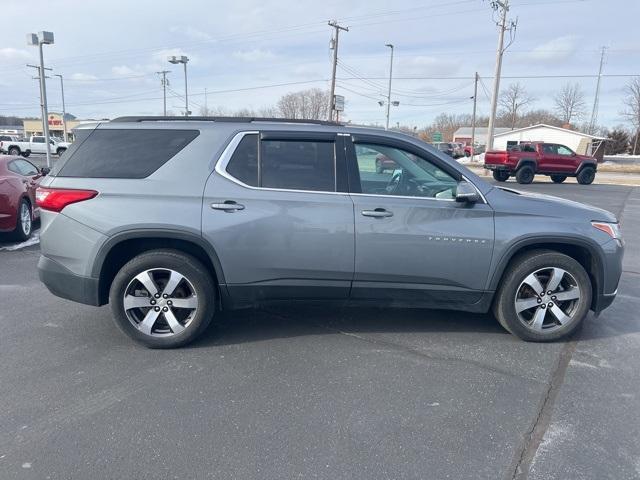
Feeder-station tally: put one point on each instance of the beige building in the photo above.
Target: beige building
(56, 126)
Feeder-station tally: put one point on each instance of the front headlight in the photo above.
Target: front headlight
(611, 229)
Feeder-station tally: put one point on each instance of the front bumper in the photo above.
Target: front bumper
(63, 283)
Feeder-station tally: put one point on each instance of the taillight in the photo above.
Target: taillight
(55, 199)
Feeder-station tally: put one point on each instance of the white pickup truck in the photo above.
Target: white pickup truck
(35, 144)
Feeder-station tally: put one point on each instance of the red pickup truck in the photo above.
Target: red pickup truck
(526, 160)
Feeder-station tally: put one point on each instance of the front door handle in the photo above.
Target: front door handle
(228, 206)
(377, 213)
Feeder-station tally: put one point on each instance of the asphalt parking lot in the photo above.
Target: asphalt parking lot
(299, 392)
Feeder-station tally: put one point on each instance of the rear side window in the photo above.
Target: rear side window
(298, 165)
(285, 164)
(124, 153)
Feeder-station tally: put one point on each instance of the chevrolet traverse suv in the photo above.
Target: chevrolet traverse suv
(170, 220)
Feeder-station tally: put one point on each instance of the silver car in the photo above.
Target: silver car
(170, 220)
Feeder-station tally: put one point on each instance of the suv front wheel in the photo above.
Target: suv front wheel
(163, 298)
(544, 296)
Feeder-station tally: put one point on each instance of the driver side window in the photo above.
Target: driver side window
(392, 171)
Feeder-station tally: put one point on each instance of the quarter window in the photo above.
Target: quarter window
(244, 161)
(391, 171)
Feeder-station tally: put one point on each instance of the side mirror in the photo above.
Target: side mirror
(45, 171)
(466, 193)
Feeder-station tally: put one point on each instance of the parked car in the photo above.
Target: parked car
(477, 149)
(526, 160)
(19, 179)
(458, 150)
(169, 234)
(384, 163)
(444, 147)
(35, 144)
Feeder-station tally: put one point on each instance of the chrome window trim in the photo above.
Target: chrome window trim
(223, 161)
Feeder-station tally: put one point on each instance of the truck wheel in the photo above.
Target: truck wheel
(558, 178)
(586, 176)
(544, 296)
(61, 150)
(500, 175)
(163, 298)
(26, 153)
(525, 174)
(14, 151)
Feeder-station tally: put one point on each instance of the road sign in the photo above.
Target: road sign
(437, 136)
(338, 101)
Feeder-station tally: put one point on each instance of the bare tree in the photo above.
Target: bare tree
(632, 109)
(570, 102)
(312, 104)
(513, 100)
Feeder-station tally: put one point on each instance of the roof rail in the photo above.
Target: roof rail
(224, 119)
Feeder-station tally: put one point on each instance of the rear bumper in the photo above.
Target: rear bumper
(495, 166)
(65, 284)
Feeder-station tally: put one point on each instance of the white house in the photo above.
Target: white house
(579, 142)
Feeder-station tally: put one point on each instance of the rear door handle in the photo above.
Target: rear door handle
(228, 206)
(377, 213)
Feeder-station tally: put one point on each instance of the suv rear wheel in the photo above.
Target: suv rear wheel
(558, 178)
(500, 175)
(525, 174)
(586, 176)
(544, 296)
(163, 298)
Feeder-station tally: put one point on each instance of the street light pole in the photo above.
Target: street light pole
(389, 91)
(473, 118)
(182, 59)
(64, 111)
(43, 38)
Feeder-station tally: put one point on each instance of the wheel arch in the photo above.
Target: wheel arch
(121, 248)
(581, 250)
(527, 161)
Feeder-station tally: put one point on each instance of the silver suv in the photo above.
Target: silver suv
(171, 220)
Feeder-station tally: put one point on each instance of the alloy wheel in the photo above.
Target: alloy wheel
(160, 302)
(25, 219)
(547, 300)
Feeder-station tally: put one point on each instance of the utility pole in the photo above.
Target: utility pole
(389, 91)
(473, 116)
(206, 103)
(64, 110)
(596, 100)
(503, 7)
(334, 45)
(164, 82)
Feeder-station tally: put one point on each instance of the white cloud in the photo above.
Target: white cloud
(555, 50)
(17, 54)
(254, 55)
(124, 71)
(83, 77)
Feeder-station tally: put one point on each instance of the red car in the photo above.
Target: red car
(19, 179)
(526, 160)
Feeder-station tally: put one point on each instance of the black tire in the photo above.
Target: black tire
(525, 174)
(15, 151)
(197, 278)
(520, 268)
(26, 154)
(379, 168)
(558, 178)
(467, 154)
(586, 176)
(23, 231)
(61, 150)
(500, 175)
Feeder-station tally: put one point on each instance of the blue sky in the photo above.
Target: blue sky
(108, 52)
